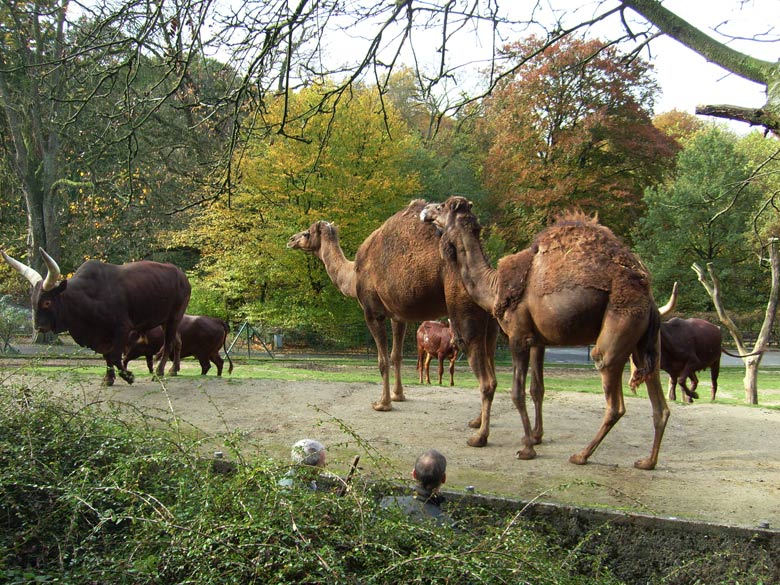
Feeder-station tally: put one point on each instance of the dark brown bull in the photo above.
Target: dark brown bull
(201, 337)
(689, 346)
(436, 339)
(101, 303)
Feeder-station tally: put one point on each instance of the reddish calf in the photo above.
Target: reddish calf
(436, 339)
(201, 337)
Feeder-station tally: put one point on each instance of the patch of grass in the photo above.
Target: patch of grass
(557, 378)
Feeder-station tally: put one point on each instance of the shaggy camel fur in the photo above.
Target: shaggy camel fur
(576, 285)
(399, 275)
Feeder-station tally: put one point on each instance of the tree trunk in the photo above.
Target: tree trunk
(712, 286)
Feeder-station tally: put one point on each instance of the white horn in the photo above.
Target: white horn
(53, 274)
(30, 274)
(669, 307)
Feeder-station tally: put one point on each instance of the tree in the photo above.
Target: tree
(572, 128)
(73, 98)
(766, 73)
(349, 164)
(752, 359)
(706, 218)
(685, 222)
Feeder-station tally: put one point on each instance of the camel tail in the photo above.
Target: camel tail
(649, 350)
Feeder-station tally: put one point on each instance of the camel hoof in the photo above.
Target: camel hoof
(477, 441)
(475, 423)
(537, 439)
(398, 397)
(381, 407)
(646, 464)
(526, 454)
(578, 459)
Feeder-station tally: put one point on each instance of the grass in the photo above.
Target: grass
(558, 377)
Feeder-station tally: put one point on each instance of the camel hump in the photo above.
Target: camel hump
(591, 255)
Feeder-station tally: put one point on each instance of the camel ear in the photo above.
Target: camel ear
(461, 204)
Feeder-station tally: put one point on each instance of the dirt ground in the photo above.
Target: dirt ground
(718, 463)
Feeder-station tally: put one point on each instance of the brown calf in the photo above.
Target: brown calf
(436, 339)
(199, 336)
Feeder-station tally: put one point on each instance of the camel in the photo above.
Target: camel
(576, 285)
(399, 275)
(436, 339)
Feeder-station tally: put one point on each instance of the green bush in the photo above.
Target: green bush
(88, 497)
(13, 320)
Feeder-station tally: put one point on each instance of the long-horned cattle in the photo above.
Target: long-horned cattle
(199, 336)
(576, 285)
(399, 275)
(436, 339)
(102, 303)
(689, 346)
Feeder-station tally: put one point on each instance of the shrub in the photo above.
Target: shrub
(89, 497)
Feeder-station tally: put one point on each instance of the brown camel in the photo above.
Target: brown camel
(398, 274)
(576, 285)
(436, 339)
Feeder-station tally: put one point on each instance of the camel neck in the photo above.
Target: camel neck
(340, 270)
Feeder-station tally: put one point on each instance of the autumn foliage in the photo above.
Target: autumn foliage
(569, 128)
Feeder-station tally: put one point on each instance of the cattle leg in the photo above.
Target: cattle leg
(427, 367)
(690, 393)
(441, 368)
(205, 365)
(218, 361)
(452, 370)
(421, 353)
(672, 388)
(714, 370)
(110, 376)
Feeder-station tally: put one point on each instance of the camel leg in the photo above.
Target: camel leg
(396, 356)
(537, 391)
(480, 350)
(520, 359)
(377, 329)
(660, 412)
(660, 417)
(428, 367)
(612, 384)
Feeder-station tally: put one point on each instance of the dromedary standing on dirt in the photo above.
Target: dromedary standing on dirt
(576, 285)
(398, 274)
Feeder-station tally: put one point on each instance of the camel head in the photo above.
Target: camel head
(310, 240)
(453, 211)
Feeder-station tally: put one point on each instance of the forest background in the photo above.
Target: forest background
(127, 135)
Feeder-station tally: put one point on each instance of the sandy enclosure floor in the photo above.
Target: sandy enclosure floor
(718, 463)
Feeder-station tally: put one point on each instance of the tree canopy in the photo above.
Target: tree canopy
(571, 129)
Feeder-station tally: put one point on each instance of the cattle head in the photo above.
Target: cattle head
(45, 291)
